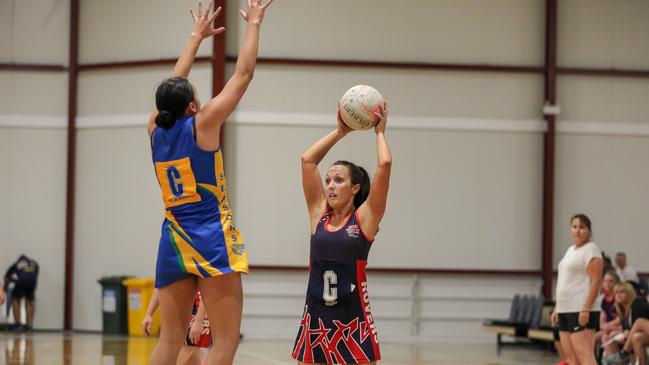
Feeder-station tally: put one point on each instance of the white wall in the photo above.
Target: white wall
(118, 215)
(466, 31)
(603, 34)
(34, 31)
(33, 148)
(604, 126)
(122, 30)
(606, 178)
(32, 221)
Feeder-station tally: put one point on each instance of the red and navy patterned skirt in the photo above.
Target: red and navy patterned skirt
(338, 333)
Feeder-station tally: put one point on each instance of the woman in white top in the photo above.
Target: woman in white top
(577, 296)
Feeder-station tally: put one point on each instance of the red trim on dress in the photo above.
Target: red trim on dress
(360, 226)
(326, 223)
(361, 278)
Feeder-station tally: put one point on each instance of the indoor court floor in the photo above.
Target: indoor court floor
(87, 349)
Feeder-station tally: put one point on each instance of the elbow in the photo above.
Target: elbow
(305, 160)
(308, 162)
(386, 163)
(246, 75)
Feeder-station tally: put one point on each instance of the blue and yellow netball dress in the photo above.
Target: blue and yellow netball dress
(198, 237)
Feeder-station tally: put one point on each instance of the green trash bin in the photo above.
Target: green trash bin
(113, 305)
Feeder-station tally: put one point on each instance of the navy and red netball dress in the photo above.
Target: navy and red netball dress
(337, 326)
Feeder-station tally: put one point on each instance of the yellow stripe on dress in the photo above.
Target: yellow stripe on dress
(237, 255)
(189, 255)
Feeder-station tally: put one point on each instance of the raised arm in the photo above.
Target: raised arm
(203, 28)
(372, 210)
(316, 201)
(210, 118)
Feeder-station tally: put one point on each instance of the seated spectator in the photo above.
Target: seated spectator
(637, 338)
(619, 327)
(609, 322)
(624, 270)
(24, 274)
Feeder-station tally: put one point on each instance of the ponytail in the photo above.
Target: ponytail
(165, 119)
(364, 192)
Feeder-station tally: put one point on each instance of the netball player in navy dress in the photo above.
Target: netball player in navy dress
(199, 245)
(337, 326)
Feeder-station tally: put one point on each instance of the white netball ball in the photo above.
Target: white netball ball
(358, 105)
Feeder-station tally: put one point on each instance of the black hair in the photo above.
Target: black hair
(583, 219)
(359, 176)
(171, 99)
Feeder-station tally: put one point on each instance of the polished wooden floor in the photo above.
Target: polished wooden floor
(90, 349)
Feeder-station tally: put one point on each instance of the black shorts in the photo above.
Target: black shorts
(569, 322)
(24, 290)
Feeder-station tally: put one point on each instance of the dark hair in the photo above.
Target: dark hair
(359, 176)
(171, 99)
(583, 219)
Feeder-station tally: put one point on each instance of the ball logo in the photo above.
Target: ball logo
(175, 181)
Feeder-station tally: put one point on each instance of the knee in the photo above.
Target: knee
(172, 338)
(636, 338)
(170, 343)
(227, 339)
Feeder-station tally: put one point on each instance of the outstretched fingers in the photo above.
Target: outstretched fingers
(208, 9)
(200, 9)
(267, 3)
(215, 14)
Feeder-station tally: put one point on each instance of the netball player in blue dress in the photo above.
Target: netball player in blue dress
(199, 245)
(337, 326)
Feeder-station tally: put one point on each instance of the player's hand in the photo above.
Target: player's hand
(382, 118)
(255, 13)
(147, 322)
(554, 318)
(2, 297)
(342, 127)
(583, 318)
(195, 330)
(204, 22)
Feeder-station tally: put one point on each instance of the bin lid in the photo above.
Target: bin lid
(138, 281)
(112, 279)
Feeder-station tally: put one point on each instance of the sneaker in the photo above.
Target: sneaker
(17, 327)
(617, 357)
